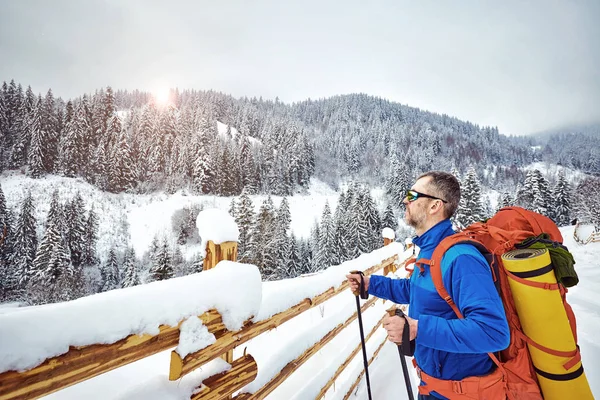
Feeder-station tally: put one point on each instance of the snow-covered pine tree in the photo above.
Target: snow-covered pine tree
(7, 270)
(245, 220)
(90, 238)
(313, 248)
(197, 263)
(324, 254)
(505, 201)
(202, 171)
(339, 252)
(524, 196)
(76, 227)
(398, 181)
(121, 170)
(162, 267)
(6, 229)
(562, 200)
(110, 272)
(265, 251)
(471, 192)
(154, 250)
(588, 194)
(541, 194)
(281, 240)
(52, 275)
(130, 274)
(294, 265)
(50, 129)
(25, 242)
(389, 220)
(68, 145)
(101, 167)
(36, 156)
(19, 152)
(372, 219)
(362, 223)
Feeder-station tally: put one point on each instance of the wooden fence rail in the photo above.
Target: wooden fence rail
(593, 237)
(82, 363)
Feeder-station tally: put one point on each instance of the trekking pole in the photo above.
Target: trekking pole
(363, 294)
(406, 348)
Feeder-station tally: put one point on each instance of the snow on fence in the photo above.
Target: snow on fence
(592, 236)
(119, 327)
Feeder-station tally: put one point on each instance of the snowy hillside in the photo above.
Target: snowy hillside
(136, 219)
(550, 170)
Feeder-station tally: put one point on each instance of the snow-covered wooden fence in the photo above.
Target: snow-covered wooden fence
(32, 377)
(591, 237)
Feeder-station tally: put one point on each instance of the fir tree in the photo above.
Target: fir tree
(53, 276)
(202, 174)
(8, 272)
(471, 193)
(339, 252)
(130, 273)
(326, 239)
(50, 129)
(505, 201)
(122, 172)
(162, 267)
(76, 224)
(562, 200)
(25, 243)
(264, 252)
(36, 150)
(90, 238)
(294, 265)
(389, 220)
(525, 193)
(245, 220)
(110, 272)
(541, 194)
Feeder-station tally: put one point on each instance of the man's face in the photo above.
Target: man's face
(416, 211)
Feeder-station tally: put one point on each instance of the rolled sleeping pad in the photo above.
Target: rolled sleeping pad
(544, 320)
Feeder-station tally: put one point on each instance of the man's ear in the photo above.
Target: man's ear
(436, 207)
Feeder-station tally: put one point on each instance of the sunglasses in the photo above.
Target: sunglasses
(412, 195)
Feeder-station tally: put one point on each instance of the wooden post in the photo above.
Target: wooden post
(214, 254)
(219, 252)
(391, 267)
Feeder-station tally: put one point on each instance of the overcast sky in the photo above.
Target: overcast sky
(524, 66)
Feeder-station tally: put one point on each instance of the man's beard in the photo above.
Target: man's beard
(412, 220)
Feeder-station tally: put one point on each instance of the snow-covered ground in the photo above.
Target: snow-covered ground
(148, 378)
(136, 219)
(551, 170)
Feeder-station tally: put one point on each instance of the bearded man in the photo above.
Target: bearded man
(446, 348)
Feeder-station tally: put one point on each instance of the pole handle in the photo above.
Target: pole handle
(362, 292)
(407, 347)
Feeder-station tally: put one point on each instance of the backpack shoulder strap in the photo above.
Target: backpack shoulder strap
(435, 265)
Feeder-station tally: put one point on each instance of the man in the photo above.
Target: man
(446, 347)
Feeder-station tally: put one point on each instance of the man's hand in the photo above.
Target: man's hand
(395, 326)
(354, 282)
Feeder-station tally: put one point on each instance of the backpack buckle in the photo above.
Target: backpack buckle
(457, 387)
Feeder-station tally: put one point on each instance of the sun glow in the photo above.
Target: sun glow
(162, 96)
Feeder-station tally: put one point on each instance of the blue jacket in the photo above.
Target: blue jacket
(447, 347)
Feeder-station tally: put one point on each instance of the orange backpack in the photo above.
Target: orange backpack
(516, 377)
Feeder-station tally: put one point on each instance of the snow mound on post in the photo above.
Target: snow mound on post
(388, 233)
(33, 334)
(216, 225)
